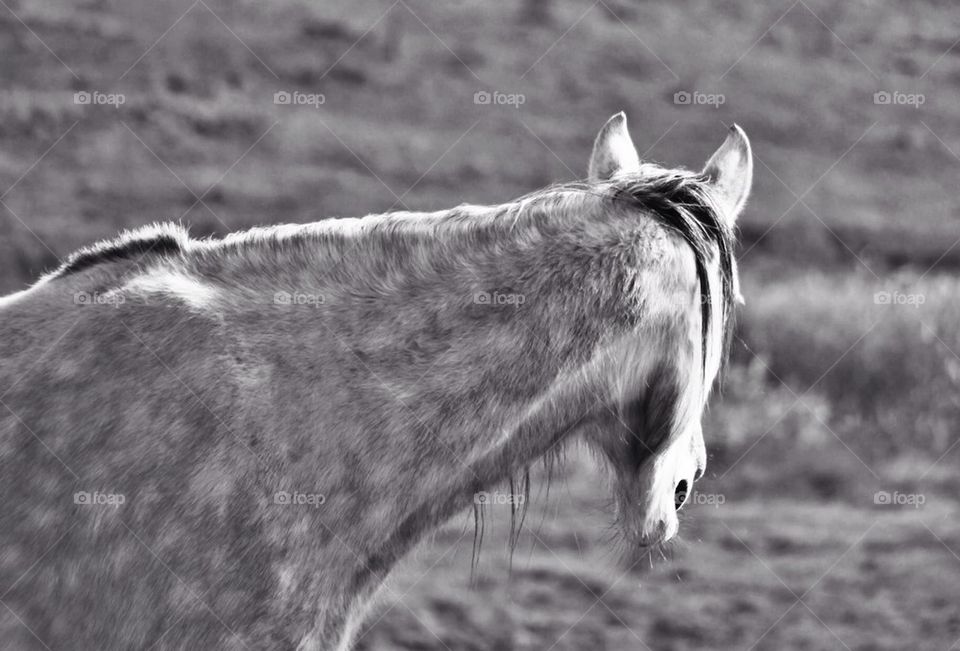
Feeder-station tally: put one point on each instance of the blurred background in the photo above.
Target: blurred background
(828, 516)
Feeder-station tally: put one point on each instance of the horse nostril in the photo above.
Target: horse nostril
(680, 495)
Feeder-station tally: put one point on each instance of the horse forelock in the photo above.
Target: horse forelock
(684, 202)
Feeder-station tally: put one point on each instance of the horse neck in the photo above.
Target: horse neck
(438, 378)
(399, 395)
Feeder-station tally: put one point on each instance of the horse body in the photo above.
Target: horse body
(228, 444)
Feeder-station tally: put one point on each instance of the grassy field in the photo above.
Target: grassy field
(837, 396)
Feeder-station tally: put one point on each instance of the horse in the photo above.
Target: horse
(229, 443)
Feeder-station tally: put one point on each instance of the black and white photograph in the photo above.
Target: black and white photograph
(533, 325)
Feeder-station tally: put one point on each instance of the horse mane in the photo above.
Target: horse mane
(684, 202)
(156, 240)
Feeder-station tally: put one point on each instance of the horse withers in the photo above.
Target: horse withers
(229, 443)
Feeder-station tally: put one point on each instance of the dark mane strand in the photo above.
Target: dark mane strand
(157, 241)
(683, 202)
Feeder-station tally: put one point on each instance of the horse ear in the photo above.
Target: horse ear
(613, 150)
(730, 172)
